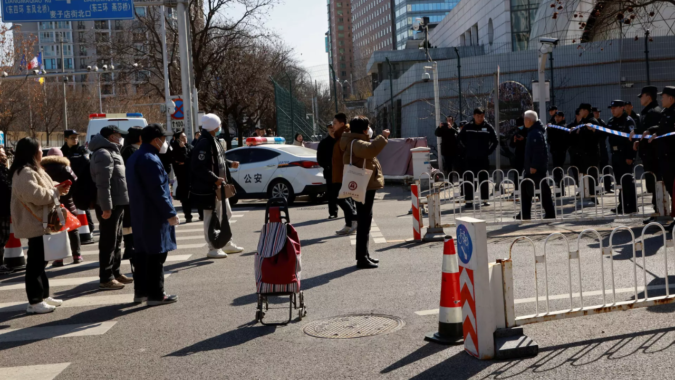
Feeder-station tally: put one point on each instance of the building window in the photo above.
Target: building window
(101, 24)
(80, 36)
(140, 11)
(339, 5)
(118, 25)
(523, 13)
(46, 25)
(83, 50)
(83, 63)
(80, 25)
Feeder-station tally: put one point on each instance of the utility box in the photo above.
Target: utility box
(421, 159)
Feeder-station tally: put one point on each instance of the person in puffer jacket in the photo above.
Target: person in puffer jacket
(108, 172)
(58, 168)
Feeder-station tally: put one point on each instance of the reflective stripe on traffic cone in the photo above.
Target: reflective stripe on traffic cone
(14, 257)
(85, 234)
(450, 313)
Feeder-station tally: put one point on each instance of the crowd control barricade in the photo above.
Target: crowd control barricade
(488, 289)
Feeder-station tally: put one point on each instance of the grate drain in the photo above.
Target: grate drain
(354, 326)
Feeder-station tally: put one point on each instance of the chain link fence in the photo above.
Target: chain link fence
(293, 117)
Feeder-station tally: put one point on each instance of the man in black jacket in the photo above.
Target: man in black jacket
(665, 146)
(324, 156)
(558, 141)
(536, 164)
(478, 140)
(589, 147)
(649, 117)
(448, 133)
(552, 111)
(210, 170)
(604, 155)
(623, 156)
(84, 190)
(131, 145)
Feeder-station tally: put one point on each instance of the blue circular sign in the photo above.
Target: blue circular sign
(464, 245)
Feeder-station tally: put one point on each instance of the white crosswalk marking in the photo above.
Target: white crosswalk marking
(33, 372)
(112, 299)
(51, 332)
(93, 265)
(180, 246)
(375, 233)
(179, 238)
(185, 231)
(53, 283)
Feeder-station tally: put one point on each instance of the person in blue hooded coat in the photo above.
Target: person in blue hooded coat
(154, 217)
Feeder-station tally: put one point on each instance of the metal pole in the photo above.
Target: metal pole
(100, 99)
(437, 109)
(542, 86)
(334, 88)
(65, 80)
(392, 119)
(647, 55)
(290, 90)
(496, 100)
(550, 58)
(459, 84)
(184, 67)
(165, 65)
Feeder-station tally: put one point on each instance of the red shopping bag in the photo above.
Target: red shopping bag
(72, 223)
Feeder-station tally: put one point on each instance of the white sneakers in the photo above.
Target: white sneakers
(346, 230)
(232, 248)
(53, 302)
(40, 308)
(216, 254)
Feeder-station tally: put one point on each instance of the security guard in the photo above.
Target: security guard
(478, 140)
(575, 154)
(589, 146)
(649, 117)
(623, 156)
(552, 111)
(558, 142)
(604, 156)
(665, 146)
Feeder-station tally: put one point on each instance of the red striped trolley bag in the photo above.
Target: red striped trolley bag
(277, 262)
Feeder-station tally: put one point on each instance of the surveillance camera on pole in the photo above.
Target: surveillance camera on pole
(88, 68)
(417, 24)
(549, 40)
(36, 72)
(4, 74)
(105, 67)
(112, 67)
(426, 77)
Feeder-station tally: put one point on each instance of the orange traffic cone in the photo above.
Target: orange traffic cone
(85, 234)
(14, 257)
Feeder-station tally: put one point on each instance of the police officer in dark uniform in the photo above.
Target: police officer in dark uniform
(589, 146)
(552, 111)
(649, 117)
(604, 156)
(575, 154)
(665, 146)
(517, 141)
(623, 156)
(558, 141)
(478, 140)
(448, 133)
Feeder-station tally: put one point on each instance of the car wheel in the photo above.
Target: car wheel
(281, 189)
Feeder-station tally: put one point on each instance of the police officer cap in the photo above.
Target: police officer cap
(560, 113)
(553, 108)
(649, 90)
(668, 90)
(595, 109)
(617, 103)
(585, 106)
(69, 132)
(478, 111)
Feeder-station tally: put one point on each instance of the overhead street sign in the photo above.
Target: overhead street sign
(66, 10)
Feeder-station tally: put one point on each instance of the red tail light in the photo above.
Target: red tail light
(305, 164)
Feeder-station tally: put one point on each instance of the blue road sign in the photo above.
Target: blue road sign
(178, 114)
(464, 244)
(66, 10)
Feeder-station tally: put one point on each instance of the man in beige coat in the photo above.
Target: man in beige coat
(364, 150)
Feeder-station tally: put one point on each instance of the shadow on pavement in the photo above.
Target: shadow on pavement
(421, 353)
(321, 240)
(403, 245)
(461, 366)
(305, 285)
(229, 339)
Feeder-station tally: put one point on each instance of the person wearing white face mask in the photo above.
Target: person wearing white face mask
(108, 172)
(210, 171)
(154, 217)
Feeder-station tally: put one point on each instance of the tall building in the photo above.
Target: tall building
(372, 26)
(73, 45)
(339, 40)
(407, 11)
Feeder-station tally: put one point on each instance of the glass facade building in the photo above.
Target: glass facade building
(406, 11)
(523, 14)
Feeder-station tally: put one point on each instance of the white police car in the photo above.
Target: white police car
(268, 168)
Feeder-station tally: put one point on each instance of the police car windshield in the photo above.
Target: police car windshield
(296, 150)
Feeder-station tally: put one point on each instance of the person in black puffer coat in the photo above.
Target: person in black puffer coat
(131, 144)
(58, 168)
(5, 197)
(181, 154)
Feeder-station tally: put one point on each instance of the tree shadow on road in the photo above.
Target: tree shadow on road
(305, 285)
(229, 339)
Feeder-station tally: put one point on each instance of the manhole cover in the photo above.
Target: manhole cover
(354, 326)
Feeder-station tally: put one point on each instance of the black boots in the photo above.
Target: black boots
(128, 247)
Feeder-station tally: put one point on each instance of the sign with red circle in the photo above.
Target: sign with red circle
(352, 185)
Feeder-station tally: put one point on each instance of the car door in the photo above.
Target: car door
(255, 174)
(240, 155)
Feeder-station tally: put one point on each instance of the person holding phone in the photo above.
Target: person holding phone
(32, 191)
(154, 219)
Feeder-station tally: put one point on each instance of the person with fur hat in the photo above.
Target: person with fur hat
(210, 170)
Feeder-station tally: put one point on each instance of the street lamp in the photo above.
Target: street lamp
(547, 45)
